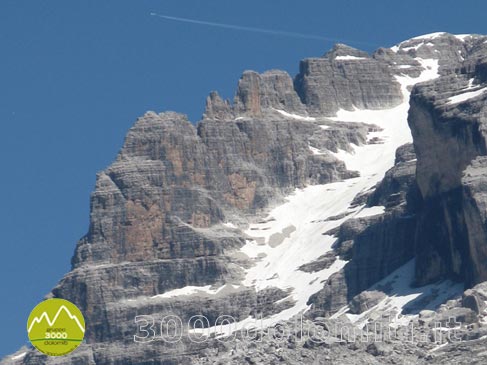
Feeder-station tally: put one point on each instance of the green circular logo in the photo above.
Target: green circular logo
(56, 327)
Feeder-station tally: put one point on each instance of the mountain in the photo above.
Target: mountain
(352, 194)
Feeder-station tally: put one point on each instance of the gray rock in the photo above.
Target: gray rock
(157, 212)
(344, 249)
(476, 298)
(379, 349)
(336, 81)
(257, 95)
(448, 138)
(365, 301)
(460, 315)
(323, 262)
(331, 298)
(272, 89)
(398, 181)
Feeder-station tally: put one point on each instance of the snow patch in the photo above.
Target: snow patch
(405, 300)
(430, 72)
(315, 150)
(295, 116)
(349, 57)
(429, 36)
(373, 160)
(462, 37)
(19, 356)
(395, 48)
(192, 290)
(460, 98)
(426, 38)
(416, 47)
(369, 211)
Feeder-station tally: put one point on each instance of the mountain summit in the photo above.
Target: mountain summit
(351, 193)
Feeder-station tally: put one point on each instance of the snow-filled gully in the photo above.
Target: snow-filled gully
(292, 234)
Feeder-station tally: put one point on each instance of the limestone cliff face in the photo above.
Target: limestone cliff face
(175, 208)
(172, 179)
(257, 94)
(344, 78)
(272, 89)
(447, 119)
(337, 81)
(158, 214)
(434, 194)
(377, 245)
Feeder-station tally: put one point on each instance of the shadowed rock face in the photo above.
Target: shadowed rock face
(159, 212)
(375, 245)
(435, 208)
(449, 138)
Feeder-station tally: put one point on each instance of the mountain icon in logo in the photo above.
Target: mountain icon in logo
(45, 316)
(56, 327)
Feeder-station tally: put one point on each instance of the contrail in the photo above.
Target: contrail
(251, 29)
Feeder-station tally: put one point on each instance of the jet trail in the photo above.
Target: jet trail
(247, 29)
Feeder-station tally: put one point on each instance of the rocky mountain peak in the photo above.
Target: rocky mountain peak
(217, 108)
(449, 49)
(353, 192)
(257, 93)
(343, 51)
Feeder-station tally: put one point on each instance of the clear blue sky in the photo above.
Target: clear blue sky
(74, 76)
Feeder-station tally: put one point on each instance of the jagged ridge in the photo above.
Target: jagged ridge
(160, 214)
